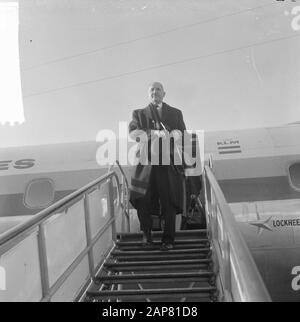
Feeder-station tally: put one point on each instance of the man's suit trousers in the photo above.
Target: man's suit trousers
(158, 188)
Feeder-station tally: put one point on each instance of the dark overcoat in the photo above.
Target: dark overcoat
(143, 119)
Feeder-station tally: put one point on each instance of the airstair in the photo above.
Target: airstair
(81, 249)
(132, 273)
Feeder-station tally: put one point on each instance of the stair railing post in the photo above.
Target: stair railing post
(227, 268)
(224, 245)
(123, 204)
(125, 196)
(204, 183)
(112, 208)
(127, 208)
(207, 205)
(214, 215)
(43, 261)
(88, 234)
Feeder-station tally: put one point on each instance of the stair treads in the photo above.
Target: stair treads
(156, 234)
(162, 262)
(155, 277)
(153, 293)
(161, 256)
(157, 242)
(125, 253)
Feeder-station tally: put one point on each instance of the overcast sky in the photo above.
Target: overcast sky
(86, 64)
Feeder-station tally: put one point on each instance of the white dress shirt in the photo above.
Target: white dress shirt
(159, 109)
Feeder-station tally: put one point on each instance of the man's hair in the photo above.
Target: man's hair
(151, 84)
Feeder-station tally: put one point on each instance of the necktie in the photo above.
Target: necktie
(159, 110)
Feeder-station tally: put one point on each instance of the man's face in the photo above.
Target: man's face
(156, 93)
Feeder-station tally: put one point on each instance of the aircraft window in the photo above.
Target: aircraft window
(39, 193)
(294, 172)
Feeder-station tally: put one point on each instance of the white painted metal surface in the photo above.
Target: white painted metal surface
(23, 278)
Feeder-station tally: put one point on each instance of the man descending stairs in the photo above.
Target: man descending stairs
(133, 273)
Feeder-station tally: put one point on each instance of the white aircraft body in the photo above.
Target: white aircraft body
(259, 173)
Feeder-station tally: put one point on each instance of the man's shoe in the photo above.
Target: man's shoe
(147, 240)
(166, 246)
(148, 245)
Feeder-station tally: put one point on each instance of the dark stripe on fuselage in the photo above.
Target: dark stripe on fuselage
(229, 152)
(258, 189)
(235, 190)
(229, 147)
(12, 205)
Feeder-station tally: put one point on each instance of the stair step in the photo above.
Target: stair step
(153, 293)
(160, 256)
(160, 263)
(156, 247)
(126, 253)
(167, 265)
(155, 277)
(173, 268)
(158, 242)
(157, 234)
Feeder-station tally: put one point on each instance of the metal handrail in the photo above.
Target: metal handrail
(18, 233)
(234, 257)
(127, 190)
(126, 193)
(58, 206)
(123, 173)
